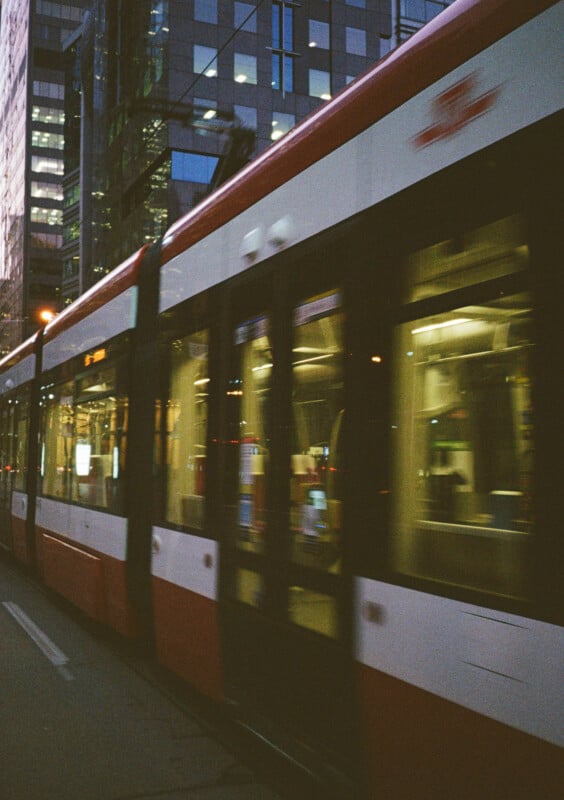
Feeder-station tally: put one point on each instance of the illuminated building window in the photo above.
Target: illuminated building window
(51, 190)
(320, 84)
(53, 116)
(52, 166)
(49, 216)
(281, 124)
(244, 68)
(319, 34)
(205, 61)
(54, 141)
(205, 109)
(357, 3)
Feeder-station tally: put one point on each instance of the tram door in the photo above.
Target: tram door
(285, 595)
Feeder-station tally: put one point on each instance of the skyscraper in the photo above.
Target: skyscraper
(31, 159)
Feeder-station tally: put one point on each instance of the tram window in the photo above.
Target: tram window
(56, 441)
(21, 444)
(464, 448)
(248, 395)
(100, 432)
(186, 427)
(6, 453)
(315, 481)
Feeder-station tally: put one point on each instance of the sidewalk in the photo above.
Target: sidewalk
(78, 723)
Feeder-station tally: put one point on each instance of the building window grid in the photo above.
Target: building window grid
(205, 60)
(319, 34)
(244, 68)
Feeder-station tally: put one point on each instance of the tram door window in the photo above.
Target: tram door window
(56, 440)
(464, 423)
(21, 444)
(186, 429)
(6, 452)
(316, 460)
(248, 398)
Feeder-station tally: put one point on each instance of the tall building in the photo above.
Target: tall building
(31, 159)
(178, 95)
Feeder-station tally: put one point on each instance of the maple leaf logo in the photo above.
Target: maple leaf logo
(455, 108)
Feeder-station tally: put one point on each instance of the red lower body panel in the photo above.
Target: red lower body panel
(187, 637)
(93, 582)
(422, 747)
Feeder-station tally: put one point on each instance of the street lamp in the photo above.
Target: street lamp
(45, 315)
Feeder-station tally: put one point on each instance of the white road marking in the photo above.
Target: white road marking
(47, 647)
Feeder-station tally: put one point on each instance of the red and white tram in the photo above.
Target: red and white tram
(311, 443)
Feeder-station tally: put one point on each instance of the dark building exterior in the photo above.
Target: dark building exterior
(180, 94)
(31, 159)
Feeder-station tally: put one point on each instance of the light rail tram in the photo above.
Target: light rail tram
(311, 444)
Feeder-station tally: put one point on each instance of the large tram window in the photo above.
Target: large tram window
(100, 419)
(187, 422)
(315, 490)
(14, 443)
(464, 448)
(56, 441)
(21, 444)
(6, 453)
(248, 395)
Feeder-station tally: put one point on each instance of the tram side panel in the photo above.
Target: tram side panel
(185, 554)
(184, 569)
(81, 524)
